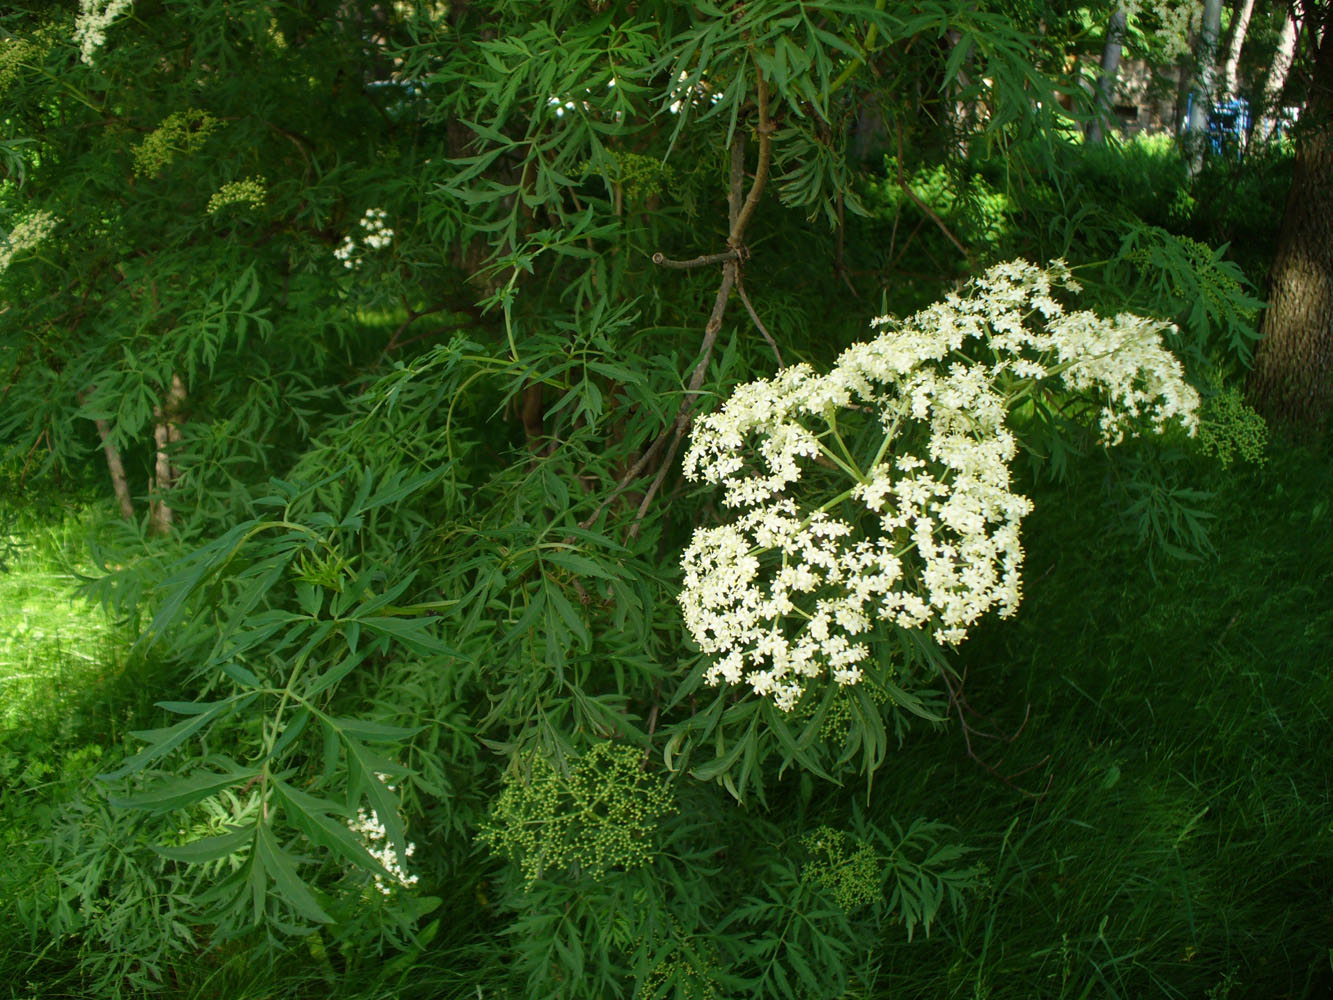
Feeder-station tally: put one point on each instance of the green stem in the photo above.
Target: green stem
(78, 94)
(851, 68)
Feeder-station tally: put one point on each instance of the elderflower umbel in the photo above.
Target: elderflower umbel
(371, 830)
(26, 236)
(95, 16)
(925, 535)
(375, 234)
(1175, 19)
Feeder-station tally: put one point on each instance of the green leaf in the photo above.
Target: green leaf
(176, 792)
(375, 732)
(210, 848)
(162, 741)
(311, 816)
(282, 867)
(337, 672)
(413, 633)
(572, 619)
(290, 732)
(580, 565)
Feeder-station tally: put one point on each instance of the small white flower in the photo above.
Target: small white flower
(26, 236)
(95, 16)
(373, 833)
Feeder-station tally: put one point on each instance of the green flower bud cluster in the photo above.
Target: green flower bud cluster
(640, 177)
(180, 133)
(686, 974)
(845, 866)
(1217, 286)
(839, 716)
(252, 191)
(1230, 429)
(643, 176)
(600, 815)
(14, 54)
(19, 55)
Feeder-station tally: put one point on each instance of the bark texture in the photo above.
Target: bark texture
(165, 434)
(1240, 25)
(1277, 75)
(1111, 52)
(116, 467)
(1292, 379)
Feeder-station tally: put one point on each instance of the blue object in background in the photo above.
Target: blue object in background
(1228, 124)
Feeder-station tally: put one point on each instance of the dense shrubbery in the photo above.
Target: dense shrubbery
(389, 325)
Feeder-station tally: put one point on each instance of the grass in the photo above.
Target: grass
(1183, 845)
(52, 647)
(1177, 728)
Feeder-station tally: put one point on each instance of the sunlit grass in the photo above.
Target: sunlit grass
(52, 645)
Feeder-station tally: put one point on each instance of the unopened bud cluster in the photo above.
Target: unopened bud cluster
(923, 534)
(602, 814)
(252, 191)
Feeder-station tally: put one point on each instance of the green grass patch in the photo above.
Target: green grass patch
(53, 646)
(1181, 845)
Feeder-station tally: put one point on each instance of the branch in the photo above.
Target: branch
(765, 130)
(739, 216)
(902, 183)
(740, 288)
(662, 260)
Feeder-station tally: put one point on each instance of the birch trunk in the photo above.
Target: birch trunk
(1111, 52)
(116, 467)
(1268, 109)
(1239, 27)
(165, 433)
(1206, 87)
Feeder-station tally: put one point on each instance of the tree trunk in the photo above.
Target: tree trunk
(117, 469)
(1239, 26)
(1206, 87)
(1111, 51)
(1293, 368)
(965, 113)
(1269, 109)
(165, 434)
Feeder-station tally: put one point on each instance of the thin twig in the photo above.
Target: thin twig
(963, 709)
(662, 260)
(740, 289)
(907, 188)
(739, 214)
(626, 480)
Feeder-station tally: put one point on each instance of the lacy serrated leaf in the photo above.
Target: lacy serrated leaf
(173, 793)
(311, 816)
(210, 848)
(281, 866)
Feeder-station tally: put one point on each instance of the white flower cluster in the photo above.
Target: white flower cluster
(926, 536)
(695, 94)
(95, 16)
(375, 234)
(1175, 19)
(25, 236)
(371, 830)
